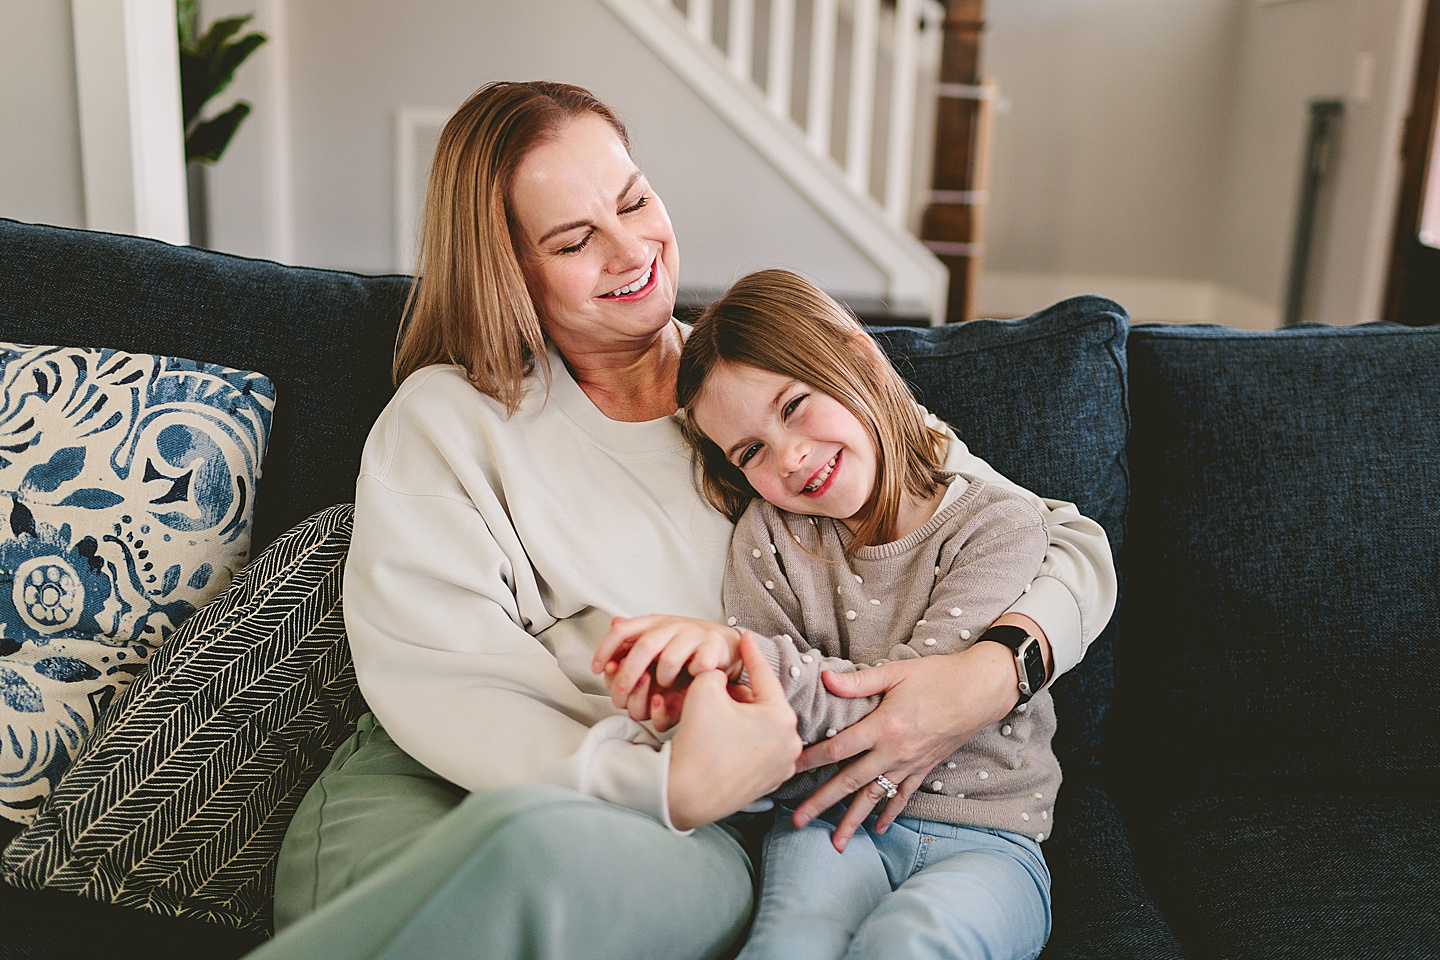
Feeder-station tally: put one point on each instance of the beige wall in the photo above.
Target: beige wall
(1150, 150)
(40, 176)
(351, 65)
(1108, 158)
(1154, 149)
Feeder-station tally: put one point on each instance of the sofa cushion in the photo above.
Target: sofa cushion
(127, 483)
(1102, 904)
(324, 338)
(1282, 611)
(179, 802)
(1295, 876)
(1042, 400)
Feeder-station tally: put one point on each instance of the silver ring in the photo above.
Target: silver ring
(891, 787)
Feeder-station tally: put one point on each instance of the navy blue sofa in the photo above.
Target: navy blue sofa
(1250, 749)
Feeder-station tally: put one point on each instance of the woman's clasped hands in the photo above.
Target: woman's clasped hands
(734, 742)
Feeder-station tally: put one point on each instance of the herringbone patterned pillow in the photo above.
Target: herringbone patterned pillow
(179, 801)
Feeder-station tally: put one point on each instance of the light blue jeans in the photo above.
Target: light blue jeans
(920, 890)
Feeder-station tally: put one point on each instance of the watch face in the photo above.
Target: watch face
(1034, 662)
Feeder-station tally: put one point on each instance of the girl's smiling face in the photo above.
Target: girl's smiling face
(801, 449)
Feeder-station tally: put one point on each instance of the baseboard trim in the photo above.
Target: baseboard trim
(1146, 299)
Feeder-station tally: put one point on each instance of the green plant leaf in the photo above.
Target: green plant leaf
(222, 68)
(187, 15)
(194, 89)
(209, 138)
(214, 39)
(208, 62)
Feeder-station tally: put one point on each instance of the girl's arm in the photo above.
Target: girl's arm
(991, 556)
(989, 551)
(1073, 596)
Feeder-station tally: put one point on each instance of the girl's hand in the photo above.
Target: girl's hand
(733, 745)
(931, 707)
(659, 653)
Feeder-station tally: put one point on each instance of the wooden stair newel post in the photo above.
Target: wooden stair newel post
(953, 224)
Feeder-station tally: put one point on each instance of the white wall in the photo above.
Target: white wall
(40, 174)
(1361, 52)
(1108, 158)
(1152, 152)
(351, 65)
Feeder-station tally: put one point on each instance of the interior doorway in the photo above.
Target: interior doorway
(1412, 293)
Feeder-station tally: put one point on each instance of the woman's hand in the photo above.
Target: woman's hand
(733, 745)
(931, 707)
(642, 658)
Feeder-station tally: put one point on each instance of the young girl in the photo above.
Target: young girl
(853, 546)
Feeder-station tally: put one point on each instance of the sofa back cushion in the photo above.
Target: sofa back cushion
(1282, 611)
(323, 337)
(1042, 400)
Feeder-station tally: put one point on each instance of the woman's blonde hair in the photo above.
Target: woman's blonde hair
(469, 304)
(777, 321)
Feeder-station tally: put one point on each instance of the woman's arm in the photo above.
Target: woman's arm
(466, 653)
(434, 624)
(1074, 594)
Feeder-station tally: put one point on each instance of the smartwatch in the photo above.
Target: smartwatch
(1029, 659)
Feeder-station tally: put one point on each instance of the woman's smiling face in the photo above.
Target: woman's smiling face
(800, 449)
(594, 241)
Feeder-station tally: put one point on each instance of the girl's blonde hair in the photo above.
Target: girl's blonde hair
(469, 304)
(777, 321)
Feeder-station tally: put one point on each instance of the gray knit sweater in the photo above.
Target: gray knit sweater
(933, 591)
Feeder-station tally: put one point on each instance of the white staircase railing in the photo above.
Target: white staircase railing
(829, 92)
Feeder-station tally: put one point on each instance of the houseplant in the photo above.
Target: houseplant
(208, 62)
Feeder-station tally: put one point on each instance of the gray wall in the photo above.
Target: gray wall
(1163, 142)
(40, 179)
(1144, 140)
(1108, 160)
(353, 64)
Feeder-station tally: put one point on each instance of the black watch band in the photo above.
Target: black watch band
(1030, 670)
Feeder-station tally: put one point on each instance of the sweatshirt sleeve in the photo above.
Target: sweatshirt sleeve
(443, 655)
(1075, 592)
(759, 598)
(998, 545)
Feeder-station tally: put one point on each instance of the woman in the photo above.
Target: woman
(526, 485)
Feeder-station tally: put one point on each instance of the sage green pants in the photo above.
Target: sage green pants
(384, 859)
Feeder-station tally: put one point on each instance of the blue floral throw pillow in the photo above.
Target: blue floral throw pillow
(127, 483)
